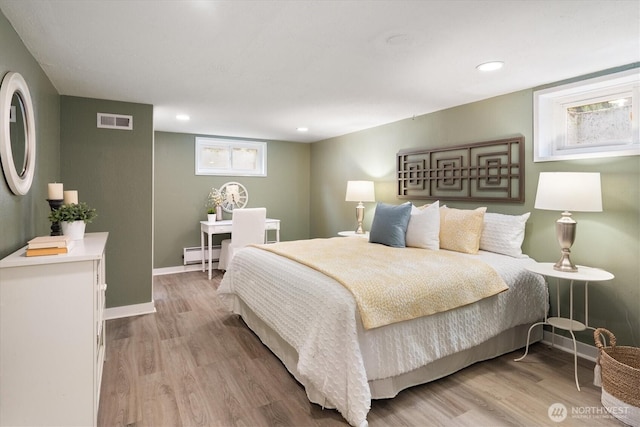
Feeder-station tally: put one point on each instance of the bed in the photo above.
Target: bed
(314, 324)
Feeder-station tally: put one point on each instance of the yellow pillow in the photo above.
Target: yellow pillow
(460, 230)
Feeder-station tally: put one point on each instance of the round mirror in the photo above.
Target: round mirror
(17, 133)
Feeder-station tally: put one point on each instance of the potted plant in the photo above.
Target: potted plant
(211, 213)
(73, 217)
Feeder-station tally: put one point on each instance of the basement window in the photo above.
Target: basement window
(230, 157)
(587, 119)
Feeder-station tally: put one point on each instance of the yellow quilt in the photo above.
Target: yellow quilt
(395, 284)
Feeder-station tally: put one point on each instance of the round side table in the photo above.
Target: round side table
(584, 274)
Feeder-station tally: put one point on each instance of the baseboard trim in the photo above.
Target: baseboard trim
(177, 269)
(585, 351)
(182, 269)
(129, 310)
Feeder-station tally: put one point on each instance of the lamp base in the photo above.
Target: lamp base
(565, 264)
(566, 235)
(360, 218)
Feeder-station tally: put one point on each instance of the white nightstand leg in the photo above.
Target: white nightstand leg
(558, 297)
(526, 350)
(586, 305)
(202, 248)
(210, 250)
(573, 337)
(575, 359)
(571, 300)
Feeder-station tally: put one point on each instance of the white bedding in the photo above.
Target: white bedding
(336, 357)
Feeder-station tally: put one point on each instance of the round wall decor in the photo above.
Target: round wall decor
(235, 196)
(17, 133)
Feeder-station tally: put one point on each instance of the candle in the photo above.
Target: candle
(71, 197)
(55, 191)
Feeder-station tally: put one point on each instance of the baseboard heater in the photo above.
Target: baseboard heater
(194, 255)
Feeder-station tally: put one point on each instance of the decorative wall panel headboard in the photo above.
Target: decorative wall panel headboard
(491, 171)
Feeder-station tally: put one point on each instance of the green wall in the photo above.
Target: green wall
(24, 217)
(113, 172)
(180, 195)
(609, 240)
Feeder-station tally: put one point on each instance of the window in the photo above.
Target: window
(230, 157)
(591, 118)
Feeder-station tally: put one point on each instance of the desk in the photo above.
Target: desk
(224, 227)
(584, 274)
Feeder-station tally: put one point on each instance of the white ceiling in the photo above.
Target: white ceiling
(260, 69)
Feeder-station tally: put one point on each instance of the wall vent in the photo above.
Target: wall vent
(115, 121)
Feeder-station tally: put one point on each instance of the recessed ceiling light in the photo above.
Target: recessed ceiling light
(490, 66)
(302, 129)
(182, 117)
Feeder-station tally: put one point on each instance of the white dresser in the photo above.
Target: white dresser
(52, 342)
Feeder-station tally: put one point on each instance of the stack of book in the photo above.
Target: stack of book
(49, 245)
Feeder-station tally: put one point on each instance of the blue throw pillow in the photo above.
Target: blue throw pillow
(389, 225)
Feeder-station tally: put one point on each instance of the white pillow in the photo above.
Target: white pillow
(423, 230)
(503, 234)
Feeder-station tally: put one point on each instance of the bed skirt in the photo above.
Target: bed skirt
(505, 342)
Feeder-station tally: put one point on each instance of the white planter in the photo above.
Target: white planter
(211, 217)
(74, 229)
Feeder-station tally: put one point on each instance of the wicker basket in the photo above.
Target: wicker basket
(620, 373)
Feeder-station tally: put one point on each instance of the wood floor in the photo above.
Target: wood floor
(194, 364)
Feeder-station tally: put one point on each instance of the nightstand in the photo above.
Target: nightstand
(364, 235)
(584, 274)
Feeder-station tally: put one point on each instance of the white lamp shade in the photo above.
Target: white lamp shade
(360, 191)
(569, 191)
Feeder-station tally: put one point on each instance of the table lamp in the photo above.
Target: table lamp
(568, 191)
(360, 191)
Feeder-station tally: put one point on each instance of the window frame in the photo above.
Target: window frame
(550, 115)
(229, 145)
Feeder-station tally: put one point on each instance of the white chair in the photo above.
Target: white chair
(248, 227)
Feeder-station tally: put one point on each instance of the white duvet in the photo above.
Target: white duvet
(318, 317)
